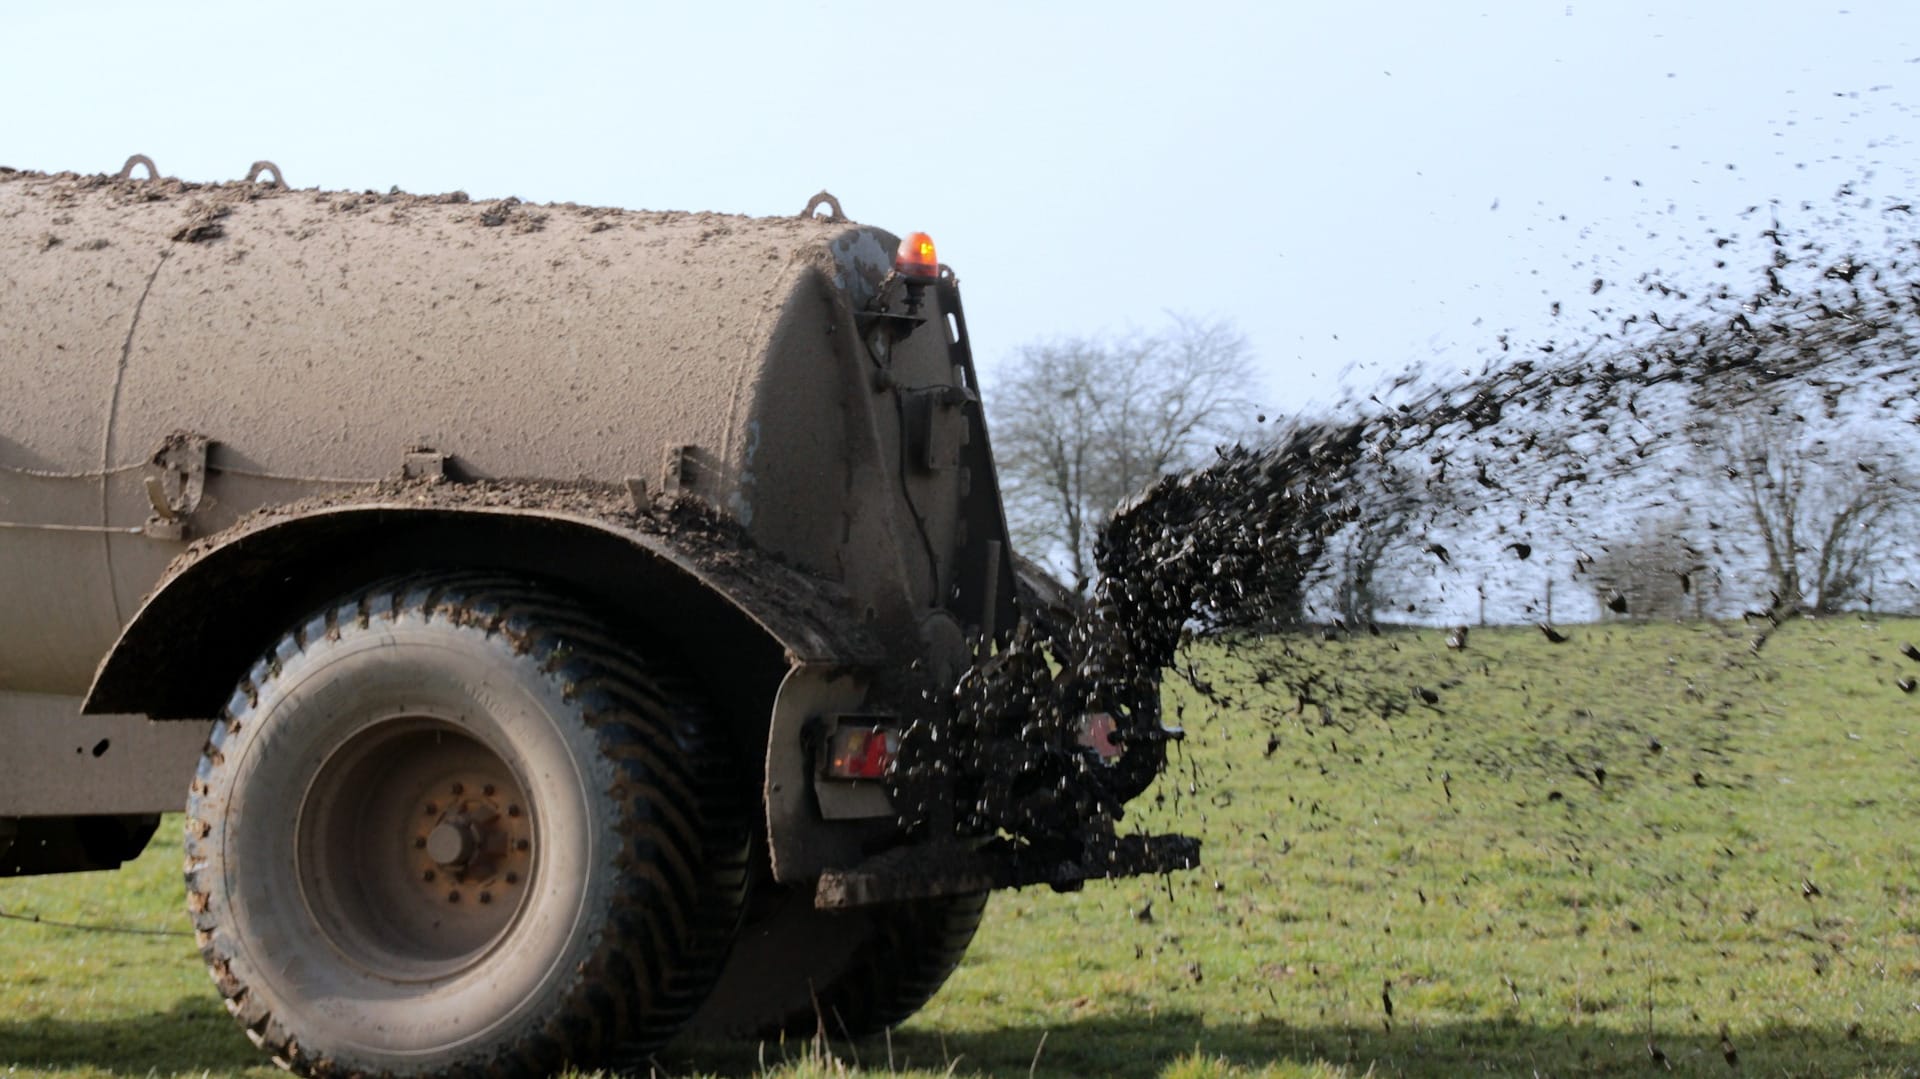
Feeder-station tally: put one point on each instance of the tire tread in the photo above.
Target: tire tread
(681, 819)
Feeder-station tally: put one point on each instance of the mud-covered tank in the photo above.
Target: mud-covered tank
(317, 338)
(561, 604)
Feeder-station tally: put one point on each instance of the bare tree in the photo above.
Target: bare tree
(1361, 552)
(1657, 572)
(1366, 564)
(1824, 517)
(1082, 424)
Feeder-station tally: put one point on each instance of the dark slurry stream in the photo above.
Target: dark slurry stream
(1553, 455)
(1541, 464)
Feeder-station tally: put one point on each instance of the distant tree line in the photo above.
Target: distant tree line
(1776, 506)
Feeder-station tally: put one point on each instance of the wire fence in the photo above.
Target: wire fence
(84, 927)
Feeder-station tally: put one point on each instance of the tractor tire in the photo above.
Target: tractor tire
(797, 971)
(449, 827)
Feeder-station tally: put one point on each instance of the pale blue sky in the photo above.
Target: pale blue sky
(1307, 170)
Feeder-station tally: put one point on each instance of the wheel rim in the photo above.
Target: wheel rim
(416, 849)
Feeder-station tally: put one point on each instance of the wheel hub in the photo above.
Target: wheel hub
(452, 843)
(417, 848)
(474, 836)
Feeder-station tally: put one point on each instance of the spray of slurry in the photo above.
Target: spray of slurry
(1537, 453)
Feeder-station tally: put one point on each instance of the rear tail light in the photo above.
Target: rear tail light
(1096, 733)
(861, 752)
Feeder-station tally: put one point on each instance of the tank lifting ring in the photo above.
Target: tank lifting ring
(253, 174)
(126, 170)
(825, 199)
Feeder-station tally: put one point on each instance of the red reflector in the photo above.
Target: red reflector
(861, 752)
(1096, 733)
(916, 259)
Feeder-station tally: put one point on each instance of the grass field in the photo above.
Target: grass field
(1645, 849)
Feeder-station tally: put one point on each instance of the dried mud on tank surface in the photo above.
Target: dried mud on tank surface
(206, 202)
(83, 212)
(694, 526)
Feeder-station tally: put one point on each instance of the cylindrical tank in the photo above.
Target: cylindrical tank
(317, 337)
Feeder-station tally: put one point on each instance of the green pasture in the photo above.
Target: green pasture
(1648, 849)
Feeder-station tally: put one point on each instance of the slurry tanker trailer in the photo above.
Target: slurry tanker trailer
(561, 626)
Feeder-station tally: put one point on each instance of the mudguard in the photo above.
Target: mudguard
(229, 594)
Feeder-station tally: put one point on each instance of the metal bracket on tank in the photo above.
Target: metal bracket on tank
(919, 407)
(175, 489)
(953, 868)
(424, 463)
(881, 327)
(681, 470)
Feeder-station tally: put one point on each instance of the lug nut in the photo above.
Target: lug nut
(513, 811)
(427, 876)
(432, 809)
(486, 897)
(513, 878)
(453, 897)
(419, 842)
(487, 790)
(522, 845)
